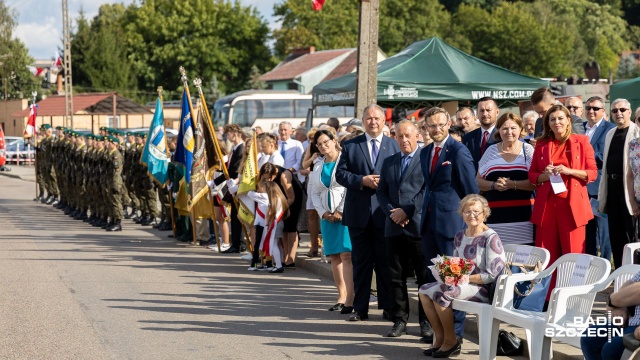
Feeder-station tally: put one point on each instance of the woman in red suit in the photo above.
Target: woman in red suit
(561, 216)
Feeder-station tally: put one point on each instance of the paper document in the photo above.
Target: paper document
(557, 183)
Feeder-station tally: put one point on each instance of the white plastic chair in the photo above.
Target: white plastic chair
(627, 253)
(565, 303)
(484, 312)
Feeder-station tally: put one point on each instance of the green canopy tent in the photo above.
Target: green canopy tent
(629, 90)
(429, 72)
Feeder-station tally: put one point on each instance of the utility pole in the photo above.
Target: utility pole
(367, 73)
(68, 85)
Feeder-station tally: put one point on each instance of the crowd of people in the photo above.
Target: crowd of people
(386, 200)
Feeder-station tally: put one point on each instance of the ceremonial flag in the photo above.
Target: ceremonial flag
(249, 176)
(317, 4)
(199, 167)
(185, 145)
(155, 149)
(30, 130)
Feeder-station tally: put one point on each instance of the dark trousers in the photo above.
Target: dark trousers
(400, 250)
(256, 248)
(433, 246)
(236, 228)
(368, 252)
(597, 232)
(620, 221)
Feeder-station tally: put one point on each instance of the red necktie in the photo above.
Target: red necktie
(434, 161)
(483, 145)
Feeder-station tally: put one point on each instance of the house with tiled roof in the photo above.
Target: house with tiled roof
(305, 68)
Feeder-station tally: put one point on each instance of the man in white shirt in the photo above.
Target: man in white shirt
(290, 149)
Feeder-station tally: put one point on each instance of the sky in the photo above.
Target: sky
(40, 21)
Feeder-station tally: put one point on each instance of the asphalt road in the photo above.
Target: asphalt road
(71, 291)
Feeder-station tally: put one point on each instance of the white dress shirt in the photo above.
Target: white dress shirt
(436, 145)
(590, 130)
(292, 153)
(378, 142)
(275, 159)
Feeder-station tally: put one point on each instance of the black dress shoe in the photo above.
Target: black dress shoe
(445, 354)
(115, 227)
(430, 351)
(337, 307)
(359, 316)
(426, 332)
(233, 250)
(399, 328)
(346, 310)
(289, 266)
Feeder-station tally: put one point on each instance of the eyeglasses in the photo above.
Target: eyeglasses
(423, 127)
(574, 107)
(324, 143)
(472, 213)
(594, 108)
(622, 111)
(439, 126)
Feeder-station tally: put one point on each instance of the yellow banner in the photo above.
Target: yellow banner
(250, 170)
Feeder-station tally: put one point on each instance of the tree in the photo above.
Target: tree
(254, 80)
(209, 38)
(335, 27)
(16, 80)
(540, 51)
(627, 68)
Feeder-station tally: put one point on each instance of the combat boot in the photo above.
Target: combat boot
(134, 212)
(148, 221)
(116, 226)
(142, 218)
(103, 223)
(49, 200)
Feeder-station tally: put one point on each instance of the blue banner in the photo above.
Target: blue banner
(155, 149)
(186, 143)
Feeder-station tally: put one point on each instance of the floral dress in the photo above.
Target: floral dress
(634, 165)
(486, 252)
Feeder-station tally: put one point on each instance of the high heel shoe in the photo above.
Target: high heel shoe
(430, 351)
(337, 307)
(445, 354)
(313, 254)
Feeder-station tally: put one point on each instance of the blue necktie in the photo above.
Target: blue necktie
(406, 160)
(282, 150)
(374, 151)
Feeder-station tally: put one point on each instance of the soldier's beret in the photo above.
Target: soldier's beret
(59, 127)
(130, 133)
(143, 135)
(45, 126)
(90, 136)
(104, 128)
(114, 140)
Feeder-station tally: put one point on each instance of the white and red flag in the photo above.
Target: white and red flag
(58, 60)
(36, 71)
(30, 130)
(317, 4)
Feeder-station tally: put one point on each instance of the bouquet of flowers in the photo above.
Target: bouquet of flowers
(452, 271)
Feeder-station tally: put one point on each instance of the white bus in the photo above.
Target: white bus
(267, 108)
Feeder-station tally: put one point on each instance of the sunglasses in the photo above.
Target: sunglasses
(574, 107)
(622, 111)
(594, 108)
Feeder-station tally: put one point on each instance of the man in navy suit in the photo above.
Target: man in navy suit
(450, 175)
(478, 140)
(596, 128)
(358, 171)
(400, 195)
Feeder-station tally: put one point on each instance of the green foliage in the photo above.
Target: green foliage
(335, 27)
(538, 48)
(627, 68)
(17, 81)
(135, 49)
(254, 80)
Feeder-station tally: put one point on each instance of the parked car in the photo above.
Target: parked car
(19, 152)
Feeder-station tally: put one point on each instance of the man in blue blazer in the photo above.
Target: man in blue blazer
(478, 140)
(358, 171)
(450, 175)
(400, 195)
(596, 128)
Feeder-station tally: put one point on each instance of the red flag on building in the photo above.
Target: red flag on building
(30, 130)
(317, 4)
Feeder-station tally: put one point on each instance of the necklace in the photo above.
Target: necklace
(513, 151)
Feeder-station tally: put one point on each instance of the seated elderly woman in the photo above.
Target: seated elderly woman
(479, 244)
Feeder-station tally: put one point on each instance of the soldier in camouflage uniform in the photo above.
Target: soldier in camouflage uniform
(114, 184)
(146, 190)
(129, 164)
(40, 159)
(48, 178)
(80, 174)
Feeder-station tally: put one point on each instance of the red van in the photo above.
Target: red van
(3, 151)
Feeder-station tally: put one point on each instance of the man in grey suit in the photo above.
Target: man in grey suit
(541, 100)
(400, 195)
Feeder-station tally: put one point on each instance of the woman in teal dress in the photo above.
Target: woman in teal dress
(328, 200)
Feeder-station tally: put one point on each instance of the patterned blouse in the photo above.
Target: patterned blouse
(485, 250)
(634, 162)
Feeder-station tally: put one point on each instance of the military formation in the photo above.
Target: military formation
(99, 179)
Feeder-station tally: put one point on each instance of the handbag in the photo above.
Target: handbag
(508, 344)
(532, 294)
